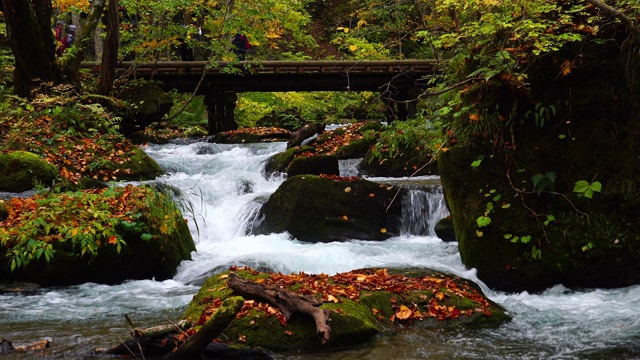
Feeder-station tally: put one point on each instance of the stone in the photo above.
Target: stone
(22, 170)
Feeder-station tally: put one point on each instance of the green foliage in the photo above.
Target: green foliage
(154, 30)
(419, 134)
(83, 222)
(586, 189)
(544, 182)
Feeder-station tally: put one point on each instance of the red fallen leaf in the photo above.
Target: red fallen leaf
(486, 311)
(288, 333)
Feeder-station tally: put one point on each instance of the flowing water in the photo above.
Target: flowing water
(223, 186)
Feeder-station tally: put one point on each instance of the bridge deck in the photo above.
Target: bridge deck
(273, 76)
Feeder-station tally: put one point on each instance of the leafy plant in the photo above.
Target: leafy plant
(586, 189)
(544, 182)
(83, 222)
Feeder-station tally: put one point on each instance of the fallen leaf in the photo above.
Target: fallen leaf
(347, 189)
(403, 313)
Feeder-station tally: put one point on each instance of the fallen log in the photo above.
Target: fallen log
(6, 346)
(214, 326)
(288, 302)
(306, 131)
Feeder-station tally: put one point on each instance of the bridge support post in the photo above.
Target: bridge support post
(220, 107)
(402, 104)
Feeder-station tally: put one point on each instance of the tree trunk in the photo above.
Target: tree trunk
(110, 53)
(32, 43)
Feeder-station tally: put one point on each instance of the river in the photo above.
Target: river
(220, 184)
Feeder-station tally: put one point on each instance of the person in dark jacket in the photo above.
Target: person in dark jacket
(241, 44)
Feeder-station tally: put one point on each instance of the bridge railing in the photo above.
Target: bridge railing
(276, 67)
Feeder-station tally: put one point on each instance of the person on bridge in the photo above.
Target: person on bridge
(241, 45)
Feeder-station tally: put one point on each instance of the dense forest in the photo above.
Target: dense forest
(532, 123)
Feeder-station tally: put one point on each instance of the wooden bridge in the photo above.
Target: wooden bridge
(398, 81)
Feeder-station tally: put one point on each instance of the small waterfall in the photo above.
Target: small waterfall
(422, 209)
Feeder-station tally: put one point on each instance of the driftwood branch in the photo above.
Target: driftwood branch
(7, 347)
(288, 302)
(306, 131)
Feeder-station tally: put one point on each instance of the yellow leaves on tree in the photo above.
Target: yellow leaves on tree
(67, 5)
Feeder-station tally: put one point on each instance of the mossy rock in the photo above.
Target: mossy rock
(405, 163)
(315, 165)
(318, 209)
(21, 170)
(356, 315)
(4, 212)
(141, 167)
(157, 258)
(355, 149)
(279, 163)
(355, 145)
(250, 136)
(541, 232)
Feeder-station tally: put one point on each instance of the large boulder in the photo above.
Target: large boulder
(155, 239)
(560, 204)
(148, 103)
(360, 304)
(22, 170)
(279, 163)
(315, 165)
(324, 208)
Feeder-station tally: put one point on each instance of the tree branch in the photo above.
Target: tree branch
(634, 30)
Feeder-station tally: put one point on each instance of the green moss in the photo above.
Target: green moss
(279, 163)
(142, 167)
(21, 170)
(353, 321)
(314, 208)
(316, 165)
(4, 212)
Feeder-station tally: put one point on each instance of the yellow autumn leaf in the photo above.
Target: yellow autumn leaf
(403, 313)
(332, 298)
(353, 47)
(362, 22)
(345, 217)
(440, 296)
(479, 233)
(164, 229)
(474, 117)
(566, 67)
(383, 230)
(347, 189)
